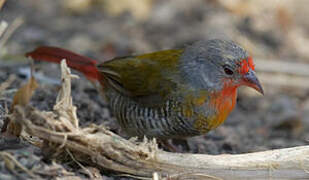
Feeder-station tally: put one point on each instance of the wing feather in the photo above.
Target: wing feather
(153, 75)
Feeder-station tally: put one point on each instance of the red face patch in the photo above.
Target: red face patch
(245, 65)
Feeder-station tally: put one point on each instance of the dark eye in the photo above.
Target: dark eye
(228, 70)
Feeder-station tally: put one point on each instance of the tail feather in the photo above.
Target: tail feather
(83, 64)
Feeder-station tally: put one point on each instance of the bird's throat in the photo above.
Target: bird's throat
(224, 102)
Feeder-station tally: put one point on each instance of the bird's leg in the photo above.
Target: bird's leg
(165, 144)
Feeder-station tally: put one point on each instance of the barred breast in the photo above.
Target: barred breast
(166, 121)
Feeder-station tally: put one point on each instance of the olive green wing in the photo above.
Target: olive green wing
(151, 75)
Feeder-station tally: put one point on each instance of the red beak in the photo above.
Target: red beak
(252, 81)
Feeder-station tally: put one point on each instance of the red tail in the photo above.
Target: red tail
(80, 63)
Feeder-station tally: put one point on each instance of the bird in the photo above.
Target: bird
(168, 94)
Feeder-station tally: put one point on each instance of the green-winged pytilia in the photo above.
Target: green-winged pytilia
(171, 93)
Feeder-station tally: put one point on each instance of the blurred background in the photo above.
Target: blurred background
(274, 32)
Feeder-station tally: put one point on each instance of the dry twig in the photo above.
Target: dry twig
(3, 26)
(10, 30)
(4, 85)
(13, 162)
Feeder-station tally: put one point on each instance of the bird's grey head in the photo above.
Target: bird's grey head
(205, 64)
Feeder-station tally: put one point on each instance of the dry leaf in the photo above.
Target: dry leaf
(22, 98)
(24, 94)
